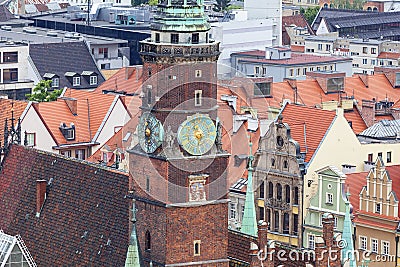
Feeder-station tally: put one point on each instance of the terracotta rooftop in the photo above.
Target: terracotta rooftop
(357, 123)
(298, 48)
(57, 112)
(389, 55)
(84, 220)
(5, 113)
(308, 126)
(125, 81)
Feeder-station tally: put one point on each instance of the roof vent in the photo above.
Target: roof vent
(52, 33)
(6, 28)
(29, 30)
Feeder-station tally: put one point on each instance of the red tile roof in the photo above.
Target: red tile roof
(357, 123)
(355, 182)
(57, 112)
(298, 48)
(6, 105)
(308, 126)
(389, 55)
(126, 80)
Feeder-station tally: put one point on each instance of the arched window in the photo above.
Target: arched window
(272, 162)
(270, 190)
(276, 222)
(296, 196)
(147, 244)
(279, 192)
(196, 249)
(285, 164)
(295, 224)
(375, 9)
(286, 223)
(287, 193)
(369, 9)
(262, 192)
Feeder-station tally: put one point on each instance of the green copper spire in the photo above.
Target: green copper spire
(133, 254)
(348, 256)
(249, 223)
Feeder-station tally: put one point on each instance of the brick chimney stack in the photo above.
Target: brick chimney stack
(368, 112)
(41, 186)
(72, 104)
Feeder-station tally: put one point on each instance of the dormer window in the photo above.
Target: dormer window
(55, 82)
(76, 81)
(68, 132)
(93, 80)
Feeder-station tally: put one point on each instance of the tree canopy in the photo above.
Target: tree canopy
(221, 5)
(310, 13)
(41, 92)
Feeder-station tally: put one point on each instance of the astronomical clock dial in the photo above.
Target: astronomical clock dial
(150, 132)
(197, 134)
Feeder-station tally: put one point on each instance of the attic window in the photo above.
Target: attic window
(68, 132)
(262, 89)
(93, 80)
(335, 84)
(55, 82)
(76, 81)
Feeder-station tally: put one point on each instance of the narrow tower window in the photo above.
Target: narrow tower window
(198, 97)
(196, 249)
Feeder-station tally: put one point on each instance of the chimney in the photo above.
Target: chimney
(254, 260)
(328, 222)
(72, 104)
(368, 112)
(41, 186)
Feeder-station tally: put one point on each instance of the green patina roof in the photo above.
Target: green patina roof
(133, 254)
(249, 223)
(347, 238)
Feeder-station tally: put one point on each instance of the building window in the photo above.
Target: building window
(257, 70)
(389, 157)
(269, 221)
(365, 61)
(174, 38)
(198, 73)
(365, 50)
(363, 242)
(311, 241)
(295, 224)
(261, 211)
(276, 222)
(328, 47)
(385, 247)
(319, 46)
(335, 223)
(296, 196)
(373, 62)
(157, 37)
(304, 71)
(286, 223)
(287, 193)
(291, 72)
(380, 155)
(93, 80)
(370, 157)
(147, 244)
(195, 38)
(10, 57)
(270, 190)
(298, 71)
(105, 158)
(378, 208)
(196, 247)
(103, 52)
(264, 71)
(232, 211)
(30, 139)
(262, 192)
(272, 162)
(285, 164)
(374, 245)
(66, 153)
(10, 75)
(148, 97)
(241, 219)
(262, 89)
(80, 154)
(329, 198)
(279, 192)
(55, 82)
(373, 50)
(76, 81)
(198, 97)
(117, 158)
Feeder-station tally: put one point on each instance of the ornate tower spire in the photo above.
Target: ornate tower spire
(133, 254)
(249, 223)
(348, 256)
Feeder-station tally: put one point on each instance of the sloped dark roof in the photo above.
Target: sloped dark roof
(5, 14)
(371, 18)
(85, 217)
(383, 129)
(60, 58)
(335, 13)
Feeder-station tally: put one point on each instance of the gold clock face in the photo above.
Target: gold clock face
(197, 134)
(150, 132)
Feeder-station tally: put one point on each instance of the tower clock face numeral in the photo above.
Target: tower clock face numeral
(197, 134)
(150, 132)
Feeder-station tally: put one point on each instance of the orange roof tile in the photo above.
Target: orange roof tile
(297, 48)
(396, 104)
(88, 103)
(308, 126)
(357, 123)
(389, 55)
(126, 80)
(6, 105)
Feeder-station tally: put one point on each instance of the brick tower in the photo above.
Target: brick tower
(178, 167)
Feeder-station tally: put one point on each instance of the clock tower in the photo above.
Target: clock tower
(178, 166)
